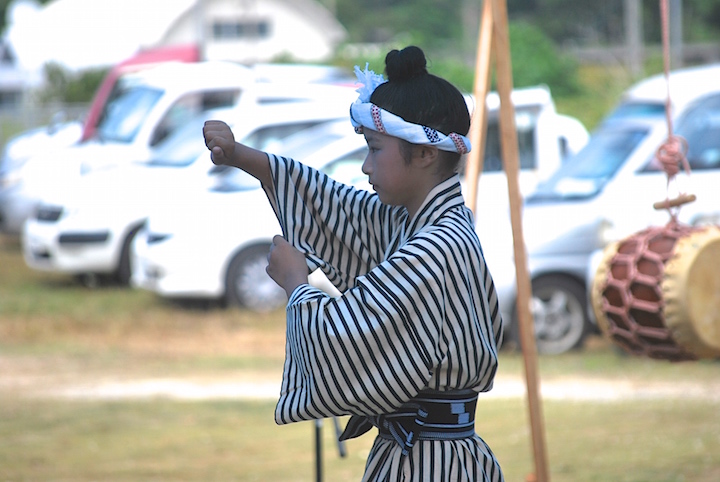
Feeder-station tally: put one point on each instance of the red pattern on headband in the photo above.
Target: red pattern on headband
(377, 119)
(461, 147)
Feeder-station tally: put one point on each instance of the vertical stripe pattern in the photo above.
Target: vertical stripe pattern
(418, 311)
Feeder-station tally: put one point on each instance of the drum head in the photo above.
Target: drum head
(691, 289)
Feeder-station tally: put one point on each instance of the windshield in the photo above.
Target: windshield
(643, 110)
(125, 112)
(584, 175)
(700, 127)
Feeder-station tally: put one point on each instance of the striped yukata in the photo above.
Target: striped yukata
(418, 312)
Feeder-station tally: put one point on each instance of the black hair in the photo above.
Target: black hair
(417, 96)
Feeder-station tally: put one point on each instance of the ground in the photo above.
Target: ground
(48, 377)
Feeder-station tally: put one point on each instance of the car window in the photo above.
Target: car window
(525, 123)
(645, 110)
(189, 106)
(270, 138)
(585, 174)
(302, 144)
(700, 127)
(125, 111)
(182, 147)
(348, 169)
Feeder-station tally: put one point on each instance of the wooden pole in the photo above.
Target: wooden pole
(509, 146)
(478, 125)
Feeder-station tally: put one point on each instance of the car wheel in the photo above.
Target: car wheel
(559, 308)
(124, 269)
(247, 283)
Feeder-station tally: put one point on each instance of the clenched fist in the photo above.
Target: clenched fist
(286, 265)
(220, 140)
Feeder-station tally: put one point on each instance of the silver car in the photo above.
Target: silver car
(603, 194)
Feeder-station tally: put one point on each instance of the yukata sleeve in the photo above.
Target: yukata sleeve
(341, 230)
(368, 351)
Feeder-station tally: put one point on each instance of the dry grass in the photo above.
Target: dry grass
(55, 333)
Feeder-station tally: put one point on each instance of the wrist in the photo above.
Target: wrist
(293, 284)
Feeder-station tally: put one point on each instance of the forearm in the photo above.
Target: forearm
(225, 151)
(254, 162)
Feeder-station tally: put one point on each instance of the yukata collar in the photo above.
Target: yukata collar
(445, 196)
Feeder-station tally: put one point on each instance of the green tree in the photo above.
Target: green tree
(67, 87)
(383, 20)
(536, 60)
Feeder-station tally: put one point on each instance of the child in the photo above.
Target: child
(415, 334)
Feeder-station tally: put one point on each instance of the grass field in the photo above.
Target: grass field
(55, 335)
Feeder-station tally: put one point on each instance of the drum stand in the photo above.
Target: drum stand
(318, 445)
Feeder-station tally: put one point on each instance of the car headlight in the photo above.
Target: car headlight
(48, 213)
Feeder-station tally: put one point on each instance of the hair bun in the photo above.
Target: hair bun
(405, 64)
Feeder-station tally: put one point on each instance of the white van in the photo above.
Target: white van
(606, 192)
(87, 231)
(145, 108)
(546, 139)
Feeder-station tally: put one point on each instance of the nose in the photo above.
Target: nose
(366, 168)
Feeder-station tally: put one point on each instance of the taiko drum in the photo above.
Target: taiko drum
(657, 292)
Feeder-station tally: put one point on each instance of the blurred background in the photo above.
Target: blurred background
(54, 54)
(132, 269)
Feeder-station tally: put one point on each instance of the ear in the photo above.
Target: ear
(425, 156)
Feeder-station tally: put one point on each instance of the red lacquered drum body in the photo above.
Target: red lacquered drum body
(657, 292)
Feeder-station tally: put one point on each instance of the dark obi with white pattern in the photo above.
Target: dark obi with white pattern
(432, 415)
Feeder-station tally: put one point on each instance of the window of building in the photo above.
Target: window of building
(241, 29)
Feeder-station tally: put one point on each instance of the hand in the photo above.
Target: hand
(220, 140)
(286, 265)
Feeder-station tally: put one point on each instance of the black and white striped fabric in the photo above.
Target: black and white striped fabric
(418, 311)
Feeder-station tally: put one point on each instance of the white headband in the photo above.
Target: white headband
(365, 114)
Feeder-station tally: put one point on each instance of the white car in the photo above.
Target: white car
(229, 230)
(16, 153)
(145, 108)
(214, 244)
(605, 193)
(87, 228)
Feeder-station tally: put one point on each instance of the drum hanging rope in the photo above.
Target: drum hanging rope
(671, 154)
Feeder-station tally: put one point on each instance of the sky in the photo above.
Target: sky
(81, 34)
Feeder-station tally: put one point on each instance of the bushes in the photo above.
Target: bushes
(536, 61)
(67, 88)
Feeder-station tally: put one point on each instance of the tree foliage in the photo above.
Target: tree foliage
(67, 87)
(536, 60)
(383, 20)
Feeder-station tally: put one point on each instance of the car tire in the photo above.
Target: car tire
(247, 284)
(123, 274)
(559, 309)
